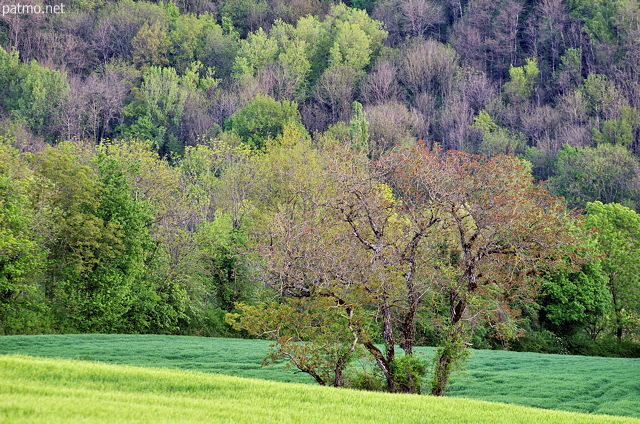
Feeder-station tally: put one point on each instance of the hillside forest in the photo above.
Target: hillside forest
(348, 180)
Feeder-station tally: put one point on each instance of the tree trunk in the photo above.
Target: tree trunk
(452, 348)
(442, 372)
(618, 310)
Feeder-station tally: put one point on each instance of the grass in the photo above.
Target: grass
(41, 390)
(565, 382)
(236, 357)
(571, 383)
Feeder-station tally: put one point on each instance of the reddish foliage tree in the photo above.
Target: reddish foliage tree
(501, 231)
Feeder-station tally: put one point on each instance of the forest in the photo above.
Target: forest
(348, 180)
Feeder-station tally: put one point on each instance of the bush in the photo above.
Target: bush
(210, 322)
(409, 372)
(541, 341)
(581, 344)
(366, 381)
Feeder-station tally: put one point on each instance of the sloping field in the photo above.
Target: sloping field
(571, 383)
(39, 390)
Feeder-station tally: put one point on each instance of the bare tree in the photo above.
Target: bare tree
(381, 84)
(335, 92)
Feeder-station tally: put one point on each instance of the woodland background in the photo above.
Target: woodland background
(146, 149)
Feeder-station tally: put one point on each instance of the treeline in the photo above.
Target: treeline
(312, 244)
(555, 82)
(112, 238)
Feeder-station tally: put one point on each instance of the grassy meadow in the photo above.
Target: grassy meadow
(45, 390)
(571, 383)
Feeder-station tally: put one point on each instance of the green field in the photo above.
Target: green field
(39, 390)
(573, 383)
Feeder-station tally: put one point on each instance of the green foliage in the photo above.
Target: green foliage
(263, 119)
(99, 244)
(495, 139)
(246, 15)
(10, 73)
(606, 173)
(618, 131)
(157, 110)
(601, 94)
(410, 372)
(599, 17)
(359, 127)
(616, 231)
(366, 381)
(450, 356)
(540, 341)
(150, 45)
(21, 253)
(254, 53)
(187, 38)
(356, 39)
(308, 334)
(575, 300)
(569, 74)
(32, 94)
(224, 251)
(522, 80)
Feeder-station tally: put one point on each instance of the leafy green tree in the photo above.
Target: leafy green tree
(263, 119)
(569, 73)
(606, 173)
(21, 253)
(98, 250)
(246, 15)
(157, 111)
(601, 95)
(254, 54)
(522, 80)
(576, 300)
(616, 231)
(359, 127)
(224, 252)
(618, 131)
(356, 39)
(9, 79)
(496, 139)
(187, 38)
(311, 335)
(32, 94)
(150, 45)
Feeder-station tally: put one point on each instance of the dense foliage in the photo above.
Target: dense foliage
(164, 166)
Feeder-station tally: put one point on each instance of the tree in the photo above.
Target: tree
(32, 94)
(311, 334)
(468, 231)
(224, 251)
(262, 119)
(576, 300)
(157, 112)
(496, 139)
(606, 173)
(616, 231)
(21, 250)
(335, 235)
(521, 81)
(98, 246)
(501, 230)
